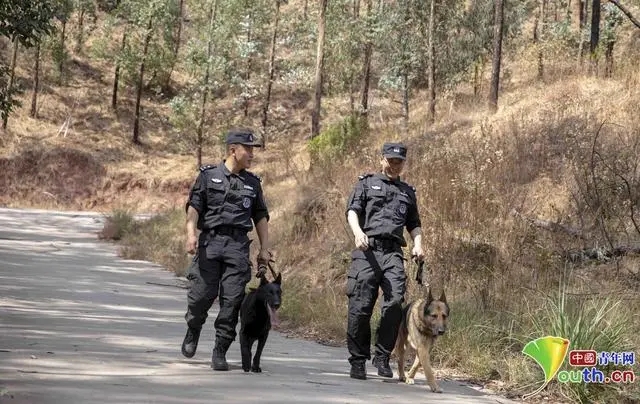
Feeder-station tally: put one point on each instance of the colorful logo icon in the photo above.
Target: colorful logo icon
(549, 353)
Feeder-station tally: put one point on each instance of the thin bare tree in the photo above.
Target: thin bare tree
(207, 73)
(497, 55)
(595, 35)
(36, 83)
(431, 68)
(272, 68)
(136, 121)
(366, 68)
(315, 116)
(12, 76)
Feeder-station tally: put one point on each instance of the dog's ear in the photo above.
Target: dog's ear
(429, 297)
(278, 278)
(443, 298)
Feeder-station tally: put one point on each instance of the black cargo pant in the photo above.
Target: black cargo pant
(378, 267)
(223, 271)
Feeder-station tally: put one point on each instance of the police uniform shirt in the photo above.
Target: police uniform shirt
(225, 199)
(384, 207)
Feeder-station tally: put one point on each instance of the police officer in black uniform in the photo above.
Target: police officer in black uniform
(378, 210)
(225, 202)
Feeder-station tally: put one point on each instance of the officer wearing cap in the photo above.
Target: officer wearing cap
(378, 210)
(225, 202)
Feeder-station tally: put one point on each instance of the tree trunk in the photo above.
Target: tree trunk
(405, 100)
(476, 79)
(80, 31)
(497, 55)
(116, 78)
(578, 14)
(272, 68)
(539, 35)
(609, 59)
(205, 93)
(12, 75)
(431, 69)
(595, 35)
(247, 75)
(176, 47)
(136, 122)
(62, 41)
(366, 68)
(315, 116)
(353, 77)
(585, 13)
(36, 81)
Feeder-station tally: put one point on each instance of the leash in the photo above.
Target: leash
(419, 271)
(262, 271)
(262, 268)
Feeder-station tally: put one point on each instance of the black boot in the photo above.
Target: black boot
(190, 342)
(218, 360)
(382, 363)
(358, 370)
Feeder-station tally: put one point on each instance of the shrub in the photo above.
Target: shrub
(117, 225)
(336, 140)
(588, 322)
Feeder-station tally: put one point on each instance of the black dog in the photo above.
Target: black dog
(257, 315)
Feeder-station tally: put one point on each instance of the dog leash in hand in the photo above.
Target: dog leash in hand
(420, 270)
(262, 269)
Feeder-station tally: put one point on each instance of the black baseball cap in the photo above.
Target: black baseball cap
(394, 151)
(242, 136)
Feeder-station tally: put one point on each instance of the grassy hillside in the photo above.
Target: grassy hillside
(530, 214)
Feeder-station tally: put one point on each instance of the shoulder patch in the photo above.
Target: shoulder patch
(363, 176)
(254, 176)
(207, 167)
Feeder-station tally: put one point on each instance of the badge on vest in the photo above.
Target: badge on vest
(376, 187)
(216, 180)
(403, 208)
(246, 202)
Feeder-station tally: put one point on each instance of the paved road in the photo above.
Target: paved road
(80, 325)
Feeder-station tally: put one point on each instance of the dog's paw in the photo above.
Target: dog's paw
(409, 380)
(256, 369)
(246, 369)
(435, 388)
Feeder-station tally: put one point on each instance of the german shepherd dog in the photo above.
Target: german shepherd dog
(257, 315)
(423, 321)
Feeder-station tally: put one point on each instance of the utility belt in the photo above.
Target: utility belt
(384, 244)
(235, 233)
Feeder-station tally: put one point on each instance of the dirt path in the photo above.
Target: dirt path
(80, 325)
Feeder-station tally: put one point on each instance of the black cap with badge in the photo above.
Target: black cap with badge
(394, 151)
(242, 136)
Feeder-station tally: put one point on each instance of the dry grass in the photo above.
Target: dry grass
(472, 171)
(159, 239)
